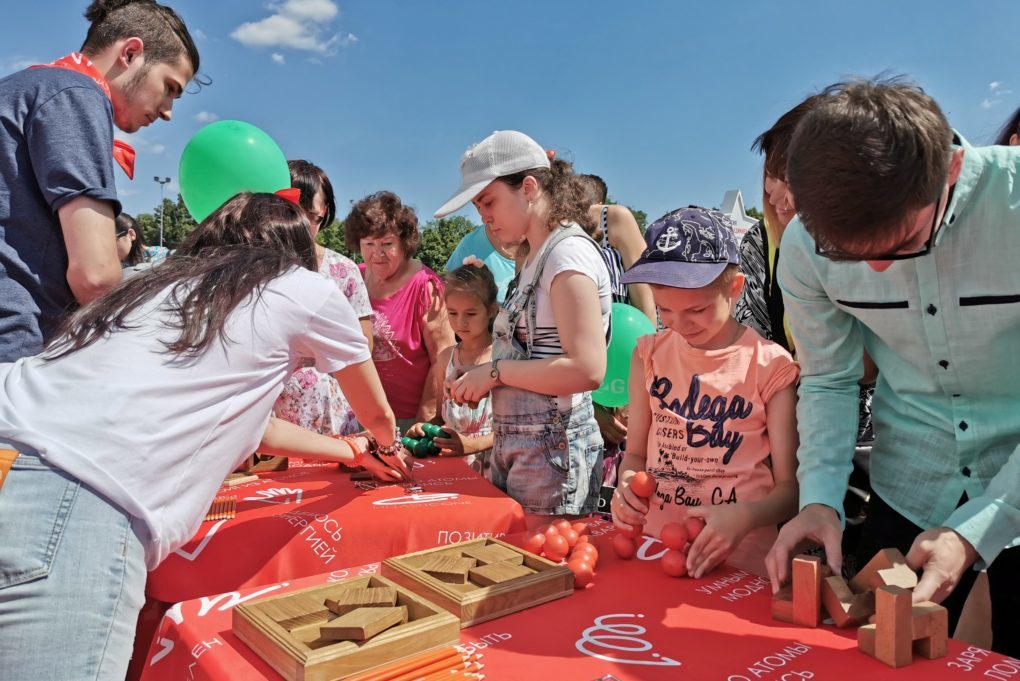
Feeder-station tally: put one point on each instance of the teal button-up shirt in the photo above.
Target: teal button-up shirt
(944, 330)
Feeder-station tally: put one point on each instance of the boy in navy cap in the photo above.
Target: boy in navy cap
(712, 403)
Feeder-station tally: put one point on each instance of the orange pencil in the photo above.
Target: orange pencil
(439, 672)
(441, 666)
(403, 666)
(454, 674)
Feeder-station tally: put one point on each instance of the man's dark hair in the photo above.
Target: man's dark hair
(164, 34)
(867, 155)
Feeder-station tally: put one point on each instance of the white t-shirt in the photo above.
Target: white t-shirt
(569, 255)
(156, 433)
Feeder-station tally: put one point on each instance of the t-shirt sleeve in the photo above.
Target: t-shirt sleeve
(352, 284)
(571, 255)
(333, 337)
(779, 372)
(70, 140)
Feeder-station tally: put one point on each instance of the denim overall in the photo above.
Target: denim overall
(549, 460)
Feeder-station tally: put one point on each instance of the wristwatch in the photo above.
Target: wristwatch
(494, 374)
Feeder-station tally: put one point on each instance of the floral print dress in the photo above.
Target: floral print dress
(312, 399)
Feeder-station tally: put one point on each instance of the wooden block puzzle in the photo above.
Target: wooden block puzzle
(447, 568)
(495, 573)
(801, 602)
(363, 623)
(492, 553)
(901, 629)
(887, 568)
(846, 608)
(355, 598)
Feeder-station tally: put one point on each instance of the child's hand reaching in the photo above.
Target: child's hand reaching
(454, 445)
(415, 430)
(629, 510)
(725, 526)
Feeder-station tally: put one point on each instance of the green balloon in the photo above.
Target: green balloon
(628, 324)
(225, 158)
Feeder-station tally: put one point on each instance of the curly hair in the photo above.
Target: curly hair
(568, 195)
(380, 214)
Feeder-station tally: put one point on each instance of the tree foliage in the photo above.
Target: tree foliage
(177, 223)
(439, 238)
(753, 212)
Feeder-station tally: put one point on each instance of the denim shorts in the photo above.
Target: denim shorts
(550, 463)
(72, 577)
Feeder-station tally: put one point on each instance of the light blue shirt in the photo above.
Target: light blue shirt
(944, 330)
(476, 243)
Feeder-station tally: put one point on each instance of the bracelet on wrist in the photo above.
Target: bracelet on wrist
(356, 451)
(388, 450)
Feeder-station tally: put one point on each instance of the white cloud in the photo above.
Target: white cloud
(298, 25)
(18, 63)
(278, 58)
(141, 145)
(200, 34)
(988, 103)
(206, 117)
(994, 85)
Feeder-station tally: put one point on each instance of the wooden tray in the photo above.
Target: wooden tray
(473, 603)
(300, 655)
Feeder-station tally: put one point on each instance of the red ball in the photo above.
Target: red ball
(582, 539)
(583, 573)
(534, 542)
(561, 525)
(674, 536)
(636, 532)
(569, 535)
(694, 526)
(624, 546)
(555, 547)
(643, 484)
(549, 530)
(580, 528)
(674, 563)
(588, 550)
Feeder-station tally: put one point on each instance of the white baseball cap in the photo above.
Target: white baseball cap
(504, 152)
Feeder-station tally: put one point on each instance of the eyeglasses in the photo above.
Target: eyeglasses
(121, 235)
(829, 250)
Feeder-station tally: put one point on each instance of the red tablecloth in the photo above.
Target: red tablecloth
(311, 519)
(632, 622)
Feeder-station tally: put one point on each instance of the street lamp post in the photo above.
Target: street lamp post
(162, 209)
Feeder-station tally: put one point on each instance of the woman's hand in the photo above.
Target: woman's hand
(613, 430)
(472, 386)
(725, 526)
(381, 470)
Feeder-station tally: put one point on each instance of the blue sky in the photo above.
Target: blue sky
(662, 99)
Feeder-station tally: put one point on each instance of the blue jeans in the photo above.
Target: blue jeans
(72, 577)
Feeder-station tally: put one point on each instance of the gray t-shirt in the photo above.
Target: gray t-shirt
(56, 144)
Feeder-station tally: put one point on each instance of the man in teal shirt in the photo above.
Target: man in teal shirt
(907, 246)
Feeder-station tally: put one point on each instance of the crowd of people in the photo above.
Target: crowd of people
(132, 383)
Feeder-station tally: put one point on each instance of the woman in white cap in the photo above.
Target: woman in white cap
(549, 339)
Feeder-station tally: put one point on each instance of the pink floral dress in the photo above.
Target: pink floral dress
(311, 399)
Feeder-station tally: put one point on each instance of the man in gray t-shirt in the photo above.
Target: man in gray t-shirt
(57, 193)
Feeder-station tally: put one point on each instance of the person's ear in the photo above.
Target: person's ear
(1014, 139)
(737, 285)
(531, 188)
(132, 234)
(955, 166)
(131, 49)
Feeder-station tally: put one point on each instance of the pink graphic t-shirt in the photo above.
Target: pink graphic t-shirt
(709, 443)
(399, 352)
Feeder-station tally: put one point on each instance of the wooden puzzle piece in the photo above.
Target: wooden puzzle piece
(449, 568)
(493, 553)
(362, 597)
(901, 629)
(801, 602)
(363, 623)
(299, 611)
(495, 573)
(846, 608)
(887, 568)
